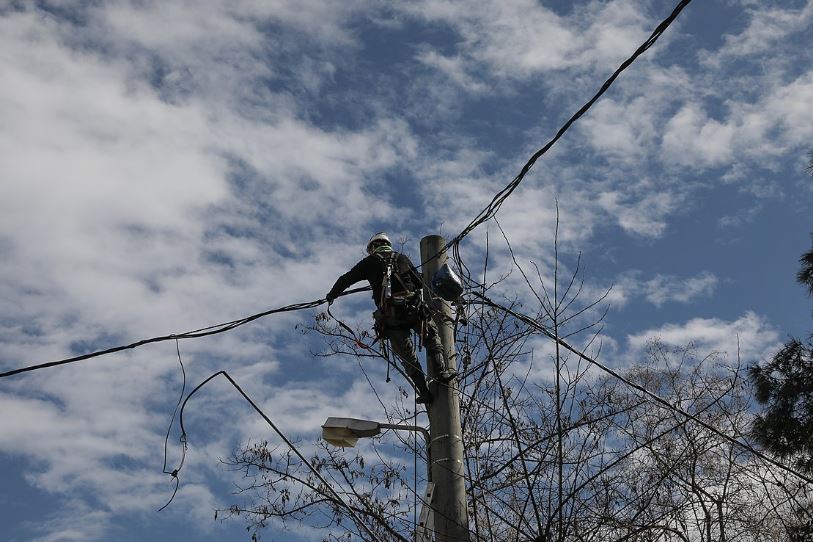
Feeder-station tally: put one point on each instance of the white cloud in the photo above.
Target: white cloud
(180, 29)
(454, 69)
(663, 289)
(756, 131)
(726, 115)
(77, 523)
(132, 195)
(523, 38)
(691, 138)
(750, 336)
(622, 131)
(767, 27)
(643, 214)
(131, 207)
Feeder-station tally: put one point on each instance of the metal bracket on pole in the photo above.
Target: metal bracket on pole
(426, 521)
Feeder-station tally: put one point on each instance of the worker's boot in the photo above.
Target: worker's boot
(424, 395)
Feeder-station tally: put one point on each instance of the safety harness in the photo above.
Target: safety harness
(406, 305)
(397, 301)
(407, 299)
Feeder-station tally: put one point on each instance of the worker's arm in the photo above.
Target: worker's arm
(357, 274)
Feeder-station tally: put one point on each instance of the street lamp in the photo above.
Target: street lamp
(345, 432)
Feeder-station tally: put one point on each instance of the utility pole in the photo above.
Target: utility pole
(446, 438)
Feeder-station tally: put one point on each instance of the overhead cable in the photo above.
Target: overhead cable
(564, 344)
(174, 473)
(290, 444)
(202, 332)
(491, 209)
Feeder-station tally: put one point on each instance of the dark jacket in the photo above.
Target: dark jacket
(373, 268)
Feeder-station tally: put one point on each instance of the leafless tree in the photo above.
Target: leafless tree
(555, 450)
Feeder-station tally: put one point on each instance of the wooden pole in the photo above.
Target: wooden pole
(451, 514)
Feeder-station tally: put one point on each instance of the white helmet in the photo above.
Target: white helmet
(378, 238)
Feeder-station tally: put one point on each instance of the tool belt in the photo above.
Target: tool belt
(400, 312)
(404, 312)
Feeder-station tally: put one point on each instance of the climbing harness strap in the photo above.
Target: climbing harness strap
(392, 269)
(379, 337)
(351, 332)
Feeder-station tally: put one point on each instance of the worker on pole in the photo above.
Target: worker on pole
(397, 292)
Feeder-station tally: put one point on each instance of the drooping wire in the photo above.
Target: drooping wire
(290, 444)
(202, 332)
(174, 473)
(352, 333)
(382, 353)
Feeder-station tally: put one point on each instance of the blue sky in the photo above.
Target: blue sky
(169, 165)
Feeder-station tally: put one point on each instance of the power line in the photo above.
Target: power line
(564, 344)
(491, 209)
(488, 212)
(202, 332)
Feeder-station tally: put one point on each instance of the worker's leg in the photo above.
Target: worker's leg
(402, 345)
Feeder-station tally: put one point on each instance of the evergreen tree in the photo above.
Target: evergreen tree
(784, 387)
(805, 274)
